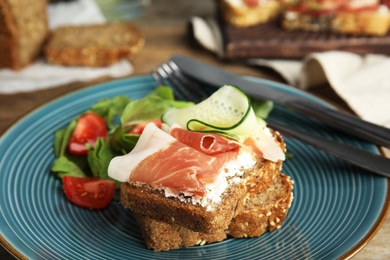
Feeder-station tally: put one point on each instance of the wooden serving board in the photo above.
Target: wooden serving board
(271, 41)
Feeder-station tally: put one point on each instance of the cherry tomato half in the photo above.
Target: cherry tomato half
(89, 128)
(139, 128)
(93, 193)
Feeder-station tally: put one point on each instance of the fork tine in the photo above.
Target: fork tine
(163, 78)
(157, 78)
(185, 89)
(175, 83)
(191, 86)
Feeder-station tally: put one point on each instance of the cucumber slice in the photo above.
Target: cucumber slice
(227, 111)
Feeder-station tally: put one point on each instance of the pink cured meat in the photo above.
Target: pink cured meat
(207, 143)
(181, 168)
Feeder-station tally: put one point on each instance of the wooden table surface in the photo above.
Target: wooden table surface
(165, 28)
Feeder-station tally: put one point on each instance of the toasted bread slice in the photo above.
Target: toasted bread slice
(93, 45)
(260, 180)
(161, 236)
(243, 15)
(23, 30)
(146, 201)
(365, 23)
(375, 23)
(262, 212)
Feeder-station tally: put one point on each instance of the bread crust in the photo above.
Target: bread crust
(354, 23)
(262, 212)
(23, 30)
(161, 236)
(261, 179)
(359, 22)
(168, 223)
(93, 45)
(365, 23)
(146, 201)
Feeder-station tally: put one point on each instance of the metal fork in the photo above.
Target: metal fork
(169, 74)
(187, 89)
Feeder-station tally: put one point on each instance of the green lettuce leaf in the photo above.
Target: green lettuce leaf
(122, 143)
(70, 166)
(109, 109)
(62, 137)
(151, 106)
(262, 108)
(99, 158)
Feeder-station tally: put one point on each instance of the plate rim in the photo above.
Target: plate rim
(374, 229)
(385, 211)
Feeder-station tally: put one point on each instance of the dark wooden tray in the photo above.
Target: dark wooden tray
(271, 41)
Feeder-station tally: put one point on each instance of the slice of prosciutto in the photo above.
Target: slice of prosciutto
(162, 161)
(207, 143)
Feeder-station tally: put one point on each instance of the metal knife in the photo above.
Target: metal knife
(338, 119)
(372, 162)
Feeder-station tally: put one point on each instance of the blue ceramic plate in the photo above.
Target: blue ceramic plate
(337, 207)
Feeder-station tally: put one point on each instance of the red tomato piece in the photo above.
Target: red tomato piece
(89, 128)
(386, 3)
(251, 2)
(139, 128)
(93, 193)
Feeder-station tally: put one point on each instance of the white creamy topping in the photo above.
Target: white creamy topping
(233, 170)
(231, 174)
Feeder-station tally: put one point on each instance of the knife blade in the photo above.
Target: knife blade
(372, 162)
(338, 119)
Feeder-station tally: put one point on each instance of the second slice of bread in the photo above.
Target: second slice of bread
(262, 212)
(146, 201)
(161, 236)
(23, 30)
(93, 45)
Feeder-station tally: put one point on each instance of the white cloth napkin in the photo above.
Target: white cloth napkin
(362, 81)
(42, 75)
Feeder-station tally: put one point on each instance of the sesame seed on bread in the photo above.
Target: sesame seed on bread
(262, 212)
(257, 205)
(144, 200)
